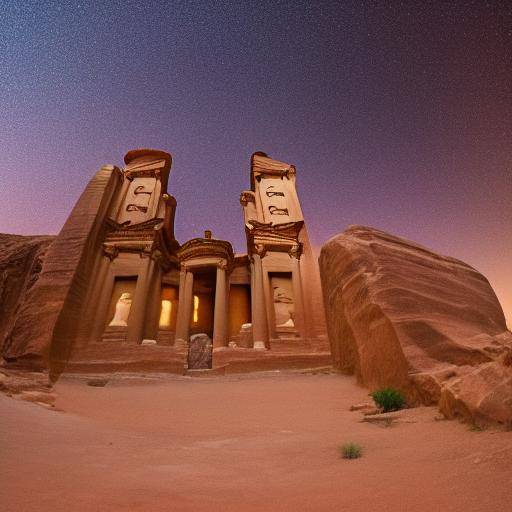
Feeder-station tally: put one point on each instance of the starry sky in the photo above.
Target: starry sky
(396, 114)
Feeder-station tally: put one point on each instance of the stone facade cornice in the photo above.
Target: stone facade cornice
(262, 165)
(206, 248)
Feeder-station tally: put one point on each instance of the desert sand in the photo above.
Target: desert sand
(260, 442)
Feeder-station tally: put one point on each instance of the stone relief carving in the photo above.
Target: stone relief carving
(274, 210)
(136, 208)
(140, 190)
(283, 305)
(272, 193)
(139, 201)
(123, 306)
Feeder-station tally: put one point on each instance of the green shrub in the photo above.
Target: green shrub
(350, 451)
(388, 399)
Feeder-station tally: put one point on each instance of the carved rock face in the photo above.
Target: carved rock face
(400, 315)
(21, 259)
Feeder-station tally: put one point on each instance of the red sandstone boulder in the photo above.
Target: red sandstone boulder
(400, 315)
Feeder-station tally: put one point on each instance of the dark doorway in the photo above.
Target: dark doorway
(203, 302)
(239, 308)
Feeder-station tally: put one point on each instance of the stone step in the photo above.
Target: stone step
(207, 372)
(165, 337)
(114, 334)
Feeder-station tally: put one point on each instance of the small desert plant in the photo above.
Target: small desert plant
(350, 451)
(388, 399)
(475, 427)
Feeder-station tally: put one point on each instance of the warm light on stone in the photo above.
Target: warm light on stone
(165, 314)
(196, 309)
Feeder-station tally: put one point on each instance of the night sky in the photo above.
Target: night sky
(396, 114)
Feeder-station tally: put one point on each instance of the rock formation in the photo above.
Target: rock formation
(21, 260)
(400, 315)
(49, 316)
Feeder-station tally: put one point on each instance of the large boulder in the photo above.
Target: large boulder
(400, 315)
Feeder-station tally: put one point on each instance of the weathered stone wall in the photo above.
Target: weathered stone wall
(46, 324)
(21, 259)
(400, 315)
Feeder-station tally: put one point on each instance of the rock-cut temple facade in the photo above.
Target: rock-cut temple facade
(116, 290)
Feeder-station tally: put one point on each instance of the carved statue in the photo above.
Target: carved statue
(283, 305)
(123, 306)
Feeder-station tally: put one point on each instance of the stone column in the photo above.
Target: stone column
(98, 301)
(220, 313)
(184, 308)
(154, 304)
(298, 299)
(259, 313)
(140, 299)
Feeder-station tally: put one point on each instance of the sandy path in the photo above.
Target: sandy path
(258, 443)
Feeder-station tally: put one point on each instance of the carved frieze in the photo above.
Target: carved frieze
(207, 248)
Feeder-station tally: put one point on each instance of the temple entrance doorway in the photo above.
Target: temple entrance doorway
(239, 312)
(203, 302)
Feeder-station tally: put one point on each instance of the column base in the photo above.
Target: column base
(259, 345)
(180, 343)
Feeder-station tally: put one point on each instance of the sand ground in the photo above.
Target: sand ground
(254, 443)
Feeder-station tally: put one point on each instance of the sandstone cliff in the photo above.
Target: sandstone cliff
(400, 315)
(21, 259)
(46, 323)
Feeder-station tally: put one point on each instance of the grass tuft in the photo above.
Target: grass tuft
(350, 450)
(389, 399)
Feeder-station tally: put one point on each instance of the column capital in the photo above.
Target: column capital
(147, 251)
(157, 256)
(110, 251)
(222, 265)
(260, 250)
(296, 251)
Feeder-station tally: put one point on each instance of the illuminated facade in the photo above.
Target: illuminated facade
(147, 290)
